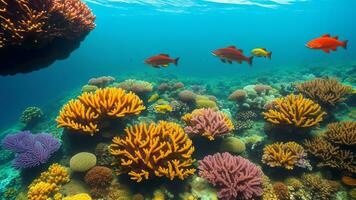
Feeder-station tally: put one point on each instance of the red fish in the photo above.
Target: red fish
(230, 54)
(161, 60)
(327, 43)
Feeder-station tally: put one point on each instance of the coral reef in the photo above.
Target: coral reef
(99, 179)
(296, 111)
(205, 102)
(233, 145)
(238, 95)
(326, 91)
(82, 162)
(87, 112)
(31, 115)
(31, 149)
(286, 155)
(319, 188)
(89, 88)
(342, 133)
(281, 190)
(48, 184)
(187, 96)
(234, 176)
(101, 82)
(149, 150)
(136, 86)
(208, 123)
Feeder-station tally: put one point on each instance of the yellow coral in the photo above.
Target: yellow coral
(205, 102)
(147, 150)
(48, 183)
(81, 196)
(282, 154)
(163, 108)
(153, 97)
(295, 110)
(85, 113)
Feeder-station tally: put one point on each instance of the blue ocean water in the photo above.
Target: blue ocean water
(127, 32)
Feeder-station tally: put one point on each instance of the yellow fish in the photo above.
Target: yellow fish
(261, 52)
(163, 108)
(153, 98)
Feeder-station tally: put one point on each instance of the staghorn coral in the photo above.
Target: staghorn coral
(234, 176)
(48, 184)
(148, 150)
(294, 110)
(208, 123)
(136, 86)
(286, 155)
(87, 112)
(343, 133)
(29, 23)
(327, 91)
(319, 188)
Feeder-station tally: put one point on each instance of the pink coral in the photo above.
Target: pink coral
(234, 176)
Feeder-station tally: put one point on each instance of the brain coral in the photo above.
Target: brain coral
(286, 155)
(136, 86)
(148, 150)
(89, 111)
(296, 111)
(82, 162)
(208, 123)
(325, 91)
(234, 176)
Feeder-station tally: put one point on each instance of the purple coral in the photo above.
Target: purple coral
(235, 176)
(208, 122)
(31, 149)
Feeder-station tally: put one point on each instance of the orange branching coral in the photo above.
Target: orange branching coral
(286, 155)
(295, 110)
(49, 183)
(35, 23)
(330, 155)
(343, 133)
(149, 150)
(324, 91)
(85, 113)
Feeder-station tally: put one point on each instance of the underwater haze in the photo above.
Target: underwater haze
(160, 101)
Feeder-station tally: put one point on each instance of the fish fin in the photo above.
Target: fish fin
(229, 61)
(336, 37)
(333, 48)
(264, 49)
(269, 55)
(164, 54)
(176, 61)
(326, 35)
(223, 60)
(166, 65)
(344, 44)
(232, 46)
(249, 60)
(326, 50)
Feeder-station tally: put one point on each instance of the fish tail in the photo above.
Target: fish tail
(249, 60)
(269, 55)
(176, 61)
(344, 44)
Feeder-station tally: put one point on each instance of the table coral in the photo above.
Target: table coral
(87, 113)
(325, 91)
(49, 183)
(234, 176)
(208, 123)
(294, 110)
(286, 155)
(149, 150)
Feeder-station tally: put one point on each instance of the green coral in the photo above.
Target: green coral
(31, 115)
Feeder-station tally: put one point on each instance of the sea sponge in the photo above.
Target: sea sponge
(99, 179)
(286, 155)
(31, 115)
(205, 102)
(294, 110)
(82, 162)
(343, 133)
(89, 111)
(148, 150)
(232, 145)
(136, 86)
(238, 95)
(327, 91)
(187, 96)
(81, 196)
(208, 123)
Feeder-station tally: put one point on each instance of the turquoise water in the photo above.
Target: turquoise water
(129, 31)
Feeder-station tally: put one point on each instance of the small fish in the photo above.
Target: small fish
(230, 54)
(326, 43)
(261, 52)
(153, 98)
(163, 108)
(161, 60)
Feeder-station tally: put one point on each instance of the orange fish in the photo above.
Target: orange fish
(230, 54)
(326, 43)
(161, 60)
